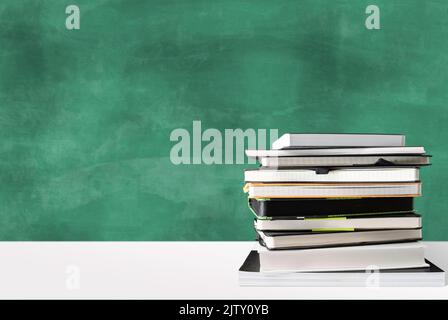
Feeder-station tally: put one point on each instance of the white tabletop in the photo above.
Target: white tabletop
(162, 270)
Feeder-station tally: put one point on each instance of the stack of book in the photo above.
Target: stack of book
(329, 207)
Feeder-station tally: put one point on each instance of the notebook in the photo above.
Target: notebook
(344, 161)
(301, 140)
(336, 151)
(335, 175)
(430, 276)
(408, 220)
(278, 208)
(317, 239)
(383, 256)
(332, 190)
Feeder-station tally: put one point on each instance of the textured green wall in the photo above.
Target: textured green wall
(86, 114)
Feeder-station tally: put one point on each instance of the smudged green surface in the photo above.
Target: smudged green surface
(85, 116)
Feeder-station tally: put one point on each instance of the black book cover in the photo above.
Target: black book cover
(252, 264)
(327, 207)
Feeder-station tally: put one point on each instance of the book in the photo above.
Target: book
(279, 208)
(336, 151)
(345, 161)
(317, 239)
(301, 140)
(334, 175)
(408, 220)
(329, 208)
(333, 190)
(430, 276)
(383, 256)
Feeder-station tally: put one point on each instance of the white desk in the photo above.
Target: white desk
(162, 270)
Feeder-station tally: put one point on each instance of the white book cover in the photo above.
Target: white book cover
(303, 140)
(384, 256)
(332, 190)
(405, 221)
(338, 175)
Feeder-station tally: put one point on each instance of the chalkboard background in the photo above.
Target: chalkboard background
(86, 115)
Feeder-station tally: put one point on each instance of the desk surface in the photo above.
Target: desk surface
(162, 270)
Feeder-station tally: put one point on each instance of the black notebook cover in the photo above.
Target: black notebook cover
(327, 207)
(252, 264)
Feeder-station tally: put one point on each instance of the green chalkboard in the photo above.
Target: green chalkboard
(86, 115)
